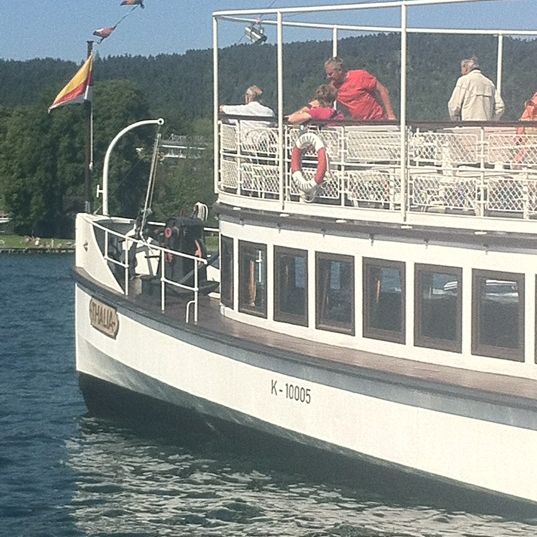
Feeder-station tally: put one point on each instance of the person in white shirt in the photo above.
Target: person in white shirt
(475, 97)
(252, 107)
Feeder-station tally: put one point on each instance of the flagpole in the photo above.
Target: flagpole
(88, 109)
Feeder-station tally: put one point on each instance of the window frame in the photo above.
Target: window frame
(490, 351)
(380, 333)
(343, 328)
(225, 300)
(301, 320)
(420, 340)
(243, 244)
(535, 326)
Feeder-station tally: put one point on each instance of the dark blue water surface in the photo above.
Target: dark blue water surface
(65, 473)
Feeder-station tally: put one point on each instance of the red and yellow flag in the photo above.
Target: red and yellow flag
(78, 89)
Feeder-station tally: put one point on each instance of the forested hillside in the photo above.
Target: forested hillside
(42, 155)
(179, 87)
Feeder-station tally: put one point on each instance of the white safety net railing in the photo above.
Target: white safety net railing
(479, 171)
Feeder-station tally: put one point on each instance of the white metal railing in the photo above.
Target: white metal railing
(165, 256)
(482, 171)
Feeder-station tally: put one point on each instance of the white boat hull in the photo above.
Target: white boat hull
(473, 440)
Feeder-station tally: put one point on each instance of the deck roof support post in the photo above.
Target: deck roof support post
(216, 144)
(499, 65)
(334, 41)
(281, 155)
(402, 112)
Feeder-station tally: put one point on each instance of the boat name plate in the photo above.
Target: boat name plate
(103, 318)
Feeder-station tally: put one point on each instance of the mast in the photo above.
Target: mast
(88, 167)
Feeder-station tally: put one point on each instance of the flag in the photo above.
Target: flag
(133, 3)
(103, 33)
(78, 88)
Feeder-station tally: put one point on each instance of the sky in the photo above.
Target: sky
(60, 28)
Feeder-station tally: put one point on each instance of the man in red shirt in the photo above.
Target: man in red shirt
(359, 92)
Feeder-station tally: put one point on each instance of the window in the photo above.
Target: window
(253, 278)
(335, 293)
(498, 314)
(226, 271)
(384, 300)
(291, 286)
(438, 305)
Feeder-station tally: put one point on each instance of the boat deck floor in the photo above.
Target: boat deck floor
(212, 322)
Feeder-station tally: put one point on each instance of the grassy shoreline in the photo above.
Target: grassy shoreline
(11, 242)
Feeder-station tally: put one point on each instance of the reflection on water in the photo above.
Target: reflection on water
(131, 482)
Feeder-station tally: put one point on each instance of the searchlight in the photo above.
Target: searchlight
(255, 34)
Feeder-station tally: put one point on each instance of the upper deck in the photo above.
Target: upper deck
(479, 175)
(474, 177)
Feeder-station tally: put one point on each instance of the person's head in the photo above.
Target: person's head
(469, 64)
(530, 109)
(253, 93)
(334, 70)
(325, 94)
(533, 100)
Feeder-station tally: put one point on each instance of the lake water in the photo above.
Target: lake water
(64, 473)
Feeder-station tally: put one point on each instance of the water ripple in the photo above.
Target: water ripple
(65, 474)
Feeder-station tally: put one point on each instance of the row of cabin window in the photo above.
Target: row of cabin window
(497, 299)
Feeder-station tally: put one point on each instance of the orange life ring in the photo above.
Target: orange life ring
(305, 140)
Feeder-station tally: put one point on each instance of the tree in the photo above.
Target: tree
(179, 87)
(5, 117)
(35, 177)
(42, 159)
(181, 183)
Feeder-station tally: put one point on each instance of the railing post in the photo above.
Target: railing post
(196, 291)
(162, 281)
(525, 196)
(105, 243)
(239, 157)
(483, 188)
(126, 266)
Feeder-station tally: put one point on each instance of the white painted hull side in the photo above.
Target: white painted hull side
(480, 443)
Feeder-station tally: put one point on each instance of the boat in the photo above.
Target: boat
(388, 317)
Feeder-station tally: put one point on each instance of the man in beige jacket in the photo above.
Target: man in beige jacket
(474, 98)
